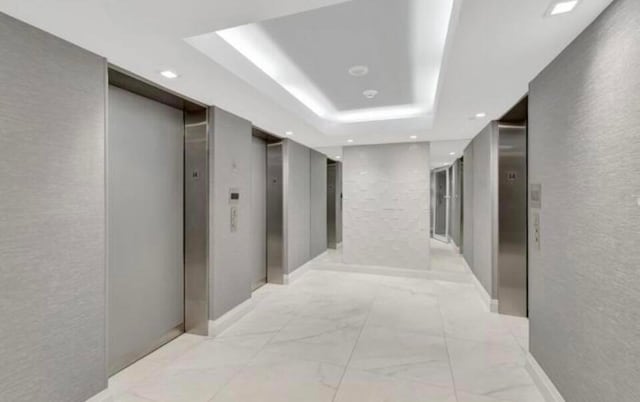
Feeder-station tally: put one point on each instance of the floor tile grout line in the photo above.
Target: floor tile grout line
(249, 361)
(446, 345)
(346, 368)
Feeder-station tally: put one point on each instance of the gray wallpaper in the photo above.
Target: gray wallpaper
(480, 195)
(456, 203)
(339, 202)
(52, 218)
(467, 205)
(318, 203)
(584, 281)
(298, 207)
(230, 154)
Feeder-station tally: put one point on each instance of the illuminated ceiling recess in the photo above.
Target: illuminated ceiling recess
(404, 58)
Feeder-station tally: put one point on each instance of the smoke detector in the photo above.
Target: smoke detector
(370, 93)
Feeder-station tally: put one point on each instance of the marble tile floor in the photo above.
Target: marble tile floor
(345, 337)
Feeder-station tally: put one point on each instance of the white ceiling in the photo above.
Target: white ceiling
(325, 42)
(302, 61)
(494, 48)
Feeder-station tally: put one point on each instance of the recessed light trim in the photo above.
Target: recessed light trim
(289, 133)
(338, 156)
(563, 7)
(169, 74)
(452, 153)
(358, 70)
(413, 137)
(480, 115)
(349, 141)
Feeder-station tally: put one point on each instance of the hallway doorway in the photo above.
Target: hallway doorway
(441, 204)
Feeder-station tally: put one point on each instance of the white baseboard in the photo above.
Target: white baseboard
(390, 271)
(544, 383)
(491, 304)
(455, 246)
(216, 327)
(303, 269)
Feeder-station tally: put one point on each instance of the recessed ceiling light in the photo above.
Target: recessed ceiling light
(289, 133)
(413, 137)
(349, 140)
(169, 74)
(452, 153)
(370, 93)
(563, 7)
(480, 115)
(338, 157)
(358, 71)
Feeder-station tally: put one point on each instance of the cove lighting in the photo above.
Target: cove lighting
(563, 7)
(169, 74)
(378, 114)
(258, 47)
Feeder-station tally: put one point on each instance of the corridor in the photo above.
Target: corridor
(341, 336)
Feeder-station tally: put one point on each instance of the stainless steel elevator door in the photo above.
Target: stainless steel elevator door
(512, 201)
(258, 246)
(145, 226)
(275, 213)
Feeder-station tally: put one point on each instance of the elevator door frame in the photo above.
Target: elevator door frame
(276, 215)
(193, 112)
(512, 248)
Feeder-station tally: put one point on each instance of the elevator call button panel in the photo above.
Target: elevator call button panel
(234, 200)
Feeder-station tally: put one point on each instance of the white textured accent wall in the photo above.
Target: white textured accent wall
(386, 205)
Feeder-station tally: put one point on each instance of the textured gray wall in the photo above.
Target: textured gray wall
(584, 282)
(479, 206)
(386, 205)
(230, 270)
(52, 218)
(456, 203)
(339, 202)
(298, 205)
(467, 205)
(318, 203)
